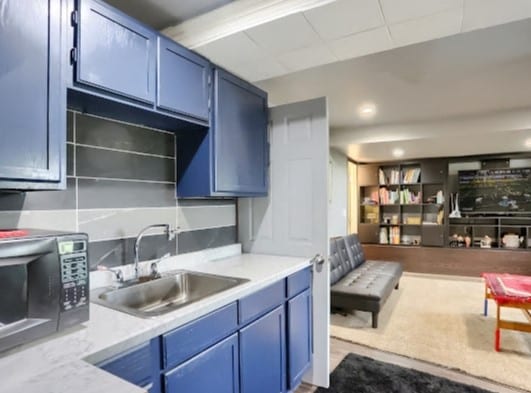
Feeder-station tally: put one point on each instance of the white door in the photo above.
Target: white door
(293, 219)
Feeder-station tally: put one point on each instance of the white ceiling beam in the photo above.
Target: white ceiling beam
(235, 17)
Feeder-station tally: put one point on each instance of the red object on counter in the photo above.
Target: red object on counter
(6, 234)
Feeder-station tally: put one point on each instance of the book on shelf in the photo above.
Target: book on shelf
(381, 177)
(394, 177)
(408, 197)
(388, 197)
(394, 235)
(411, 175)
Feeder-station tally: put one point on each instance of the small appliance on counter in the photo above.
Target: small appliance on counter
(44, 284)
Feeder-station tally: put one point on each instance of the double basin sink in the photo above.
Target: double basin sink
(161, 295)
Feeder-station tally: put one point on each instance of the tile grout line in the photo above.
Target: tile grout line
(76, 184)
(121, 122)
(124, 180)
(124, 151)
(158, 234)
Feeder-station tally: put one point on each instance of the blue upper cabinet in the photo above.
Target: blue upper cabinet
(183, 80)
(231, 159)
(33, 96)
(240, 138)
(115, 53)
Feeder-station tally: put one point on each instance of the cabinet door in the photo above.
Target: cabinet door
(33, 96)
(116, 53)
(263, 354)
(139, 365)
(367, 175)
(368, 233)
(433, 171)
(212, 371)
(182, 80)
(299, 337)
(433, 235)
(240, 138)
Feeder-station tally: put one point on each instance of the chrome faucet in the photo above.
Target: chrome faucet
(170, 233)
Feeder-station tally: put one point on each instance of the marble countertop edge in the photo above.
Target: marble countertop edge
(66, 357)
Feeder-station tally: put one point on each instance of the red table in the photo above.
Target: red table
(511, 291)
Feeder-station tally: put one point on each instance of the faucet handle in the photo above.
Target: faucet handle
(154, 270)
(172, 233)
(118, 274)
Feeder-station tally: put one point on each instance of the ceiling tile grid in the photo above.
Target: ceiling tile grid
(345, 17)
(396, 11)
(361, 44)
(427, 28)
(283, 35)
(345, 29)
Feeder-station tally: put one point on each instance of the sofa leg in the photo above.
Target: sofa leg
(374, 320)
(397, 285)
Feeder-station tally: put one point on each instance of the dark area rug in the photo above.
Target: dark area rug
(359, 374)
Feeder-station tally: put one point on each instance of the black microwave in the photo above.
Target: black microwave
(44, 284)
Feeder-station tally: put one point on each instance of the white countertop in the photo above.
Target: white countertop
(58, 363)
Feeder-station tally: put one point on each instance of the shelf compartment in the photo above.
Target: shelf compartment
(410, 235)
(369, 214)
(369, 195)
(410, 174)
(389, 175)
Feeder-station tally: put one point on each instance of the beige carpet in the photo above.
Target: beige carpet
(440, 320)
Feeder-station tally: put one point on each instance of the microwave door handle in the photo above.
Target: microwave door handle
(15, 261)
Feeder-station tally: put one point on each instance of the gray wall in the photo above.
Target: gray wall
(337, 194)
(121, 178)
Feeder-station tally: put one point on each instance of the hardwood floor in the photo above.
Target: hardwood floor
(339, 349)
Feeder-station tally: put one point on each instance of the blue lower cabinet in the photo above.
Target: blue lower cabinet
(299, 337)
(263, 354)
(212, 371)
(139, 365)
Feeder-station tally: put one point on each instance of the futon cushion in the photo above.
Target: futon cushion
(354, 250)
(366, 287)
(361, 286)
(382, 268)
(338, 269)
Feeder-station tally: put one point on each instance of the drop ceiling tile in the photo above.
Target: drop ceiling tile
(234, 49)
(428, 28)
(361, 44)
(302, 59)
(344, 17)
(258, 70)
(284, 34)
(401, 10)
(478, 14)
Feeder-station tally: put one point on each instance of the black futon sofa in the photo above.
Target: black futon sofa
(358, 284)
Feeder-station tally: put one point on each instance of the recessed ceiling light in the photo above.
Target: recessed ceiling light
(367, 110)
(528, 142)
(398, 152)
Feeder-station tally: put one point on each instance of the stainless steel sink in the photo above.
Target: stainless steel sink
(168, 293)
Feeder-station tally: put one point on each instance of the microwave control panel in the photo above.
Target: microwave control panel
(74, 274)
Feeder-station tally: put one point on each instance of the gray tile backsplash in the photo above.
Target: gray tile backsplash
(101, 194)
(103, 163)
(121, 178)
